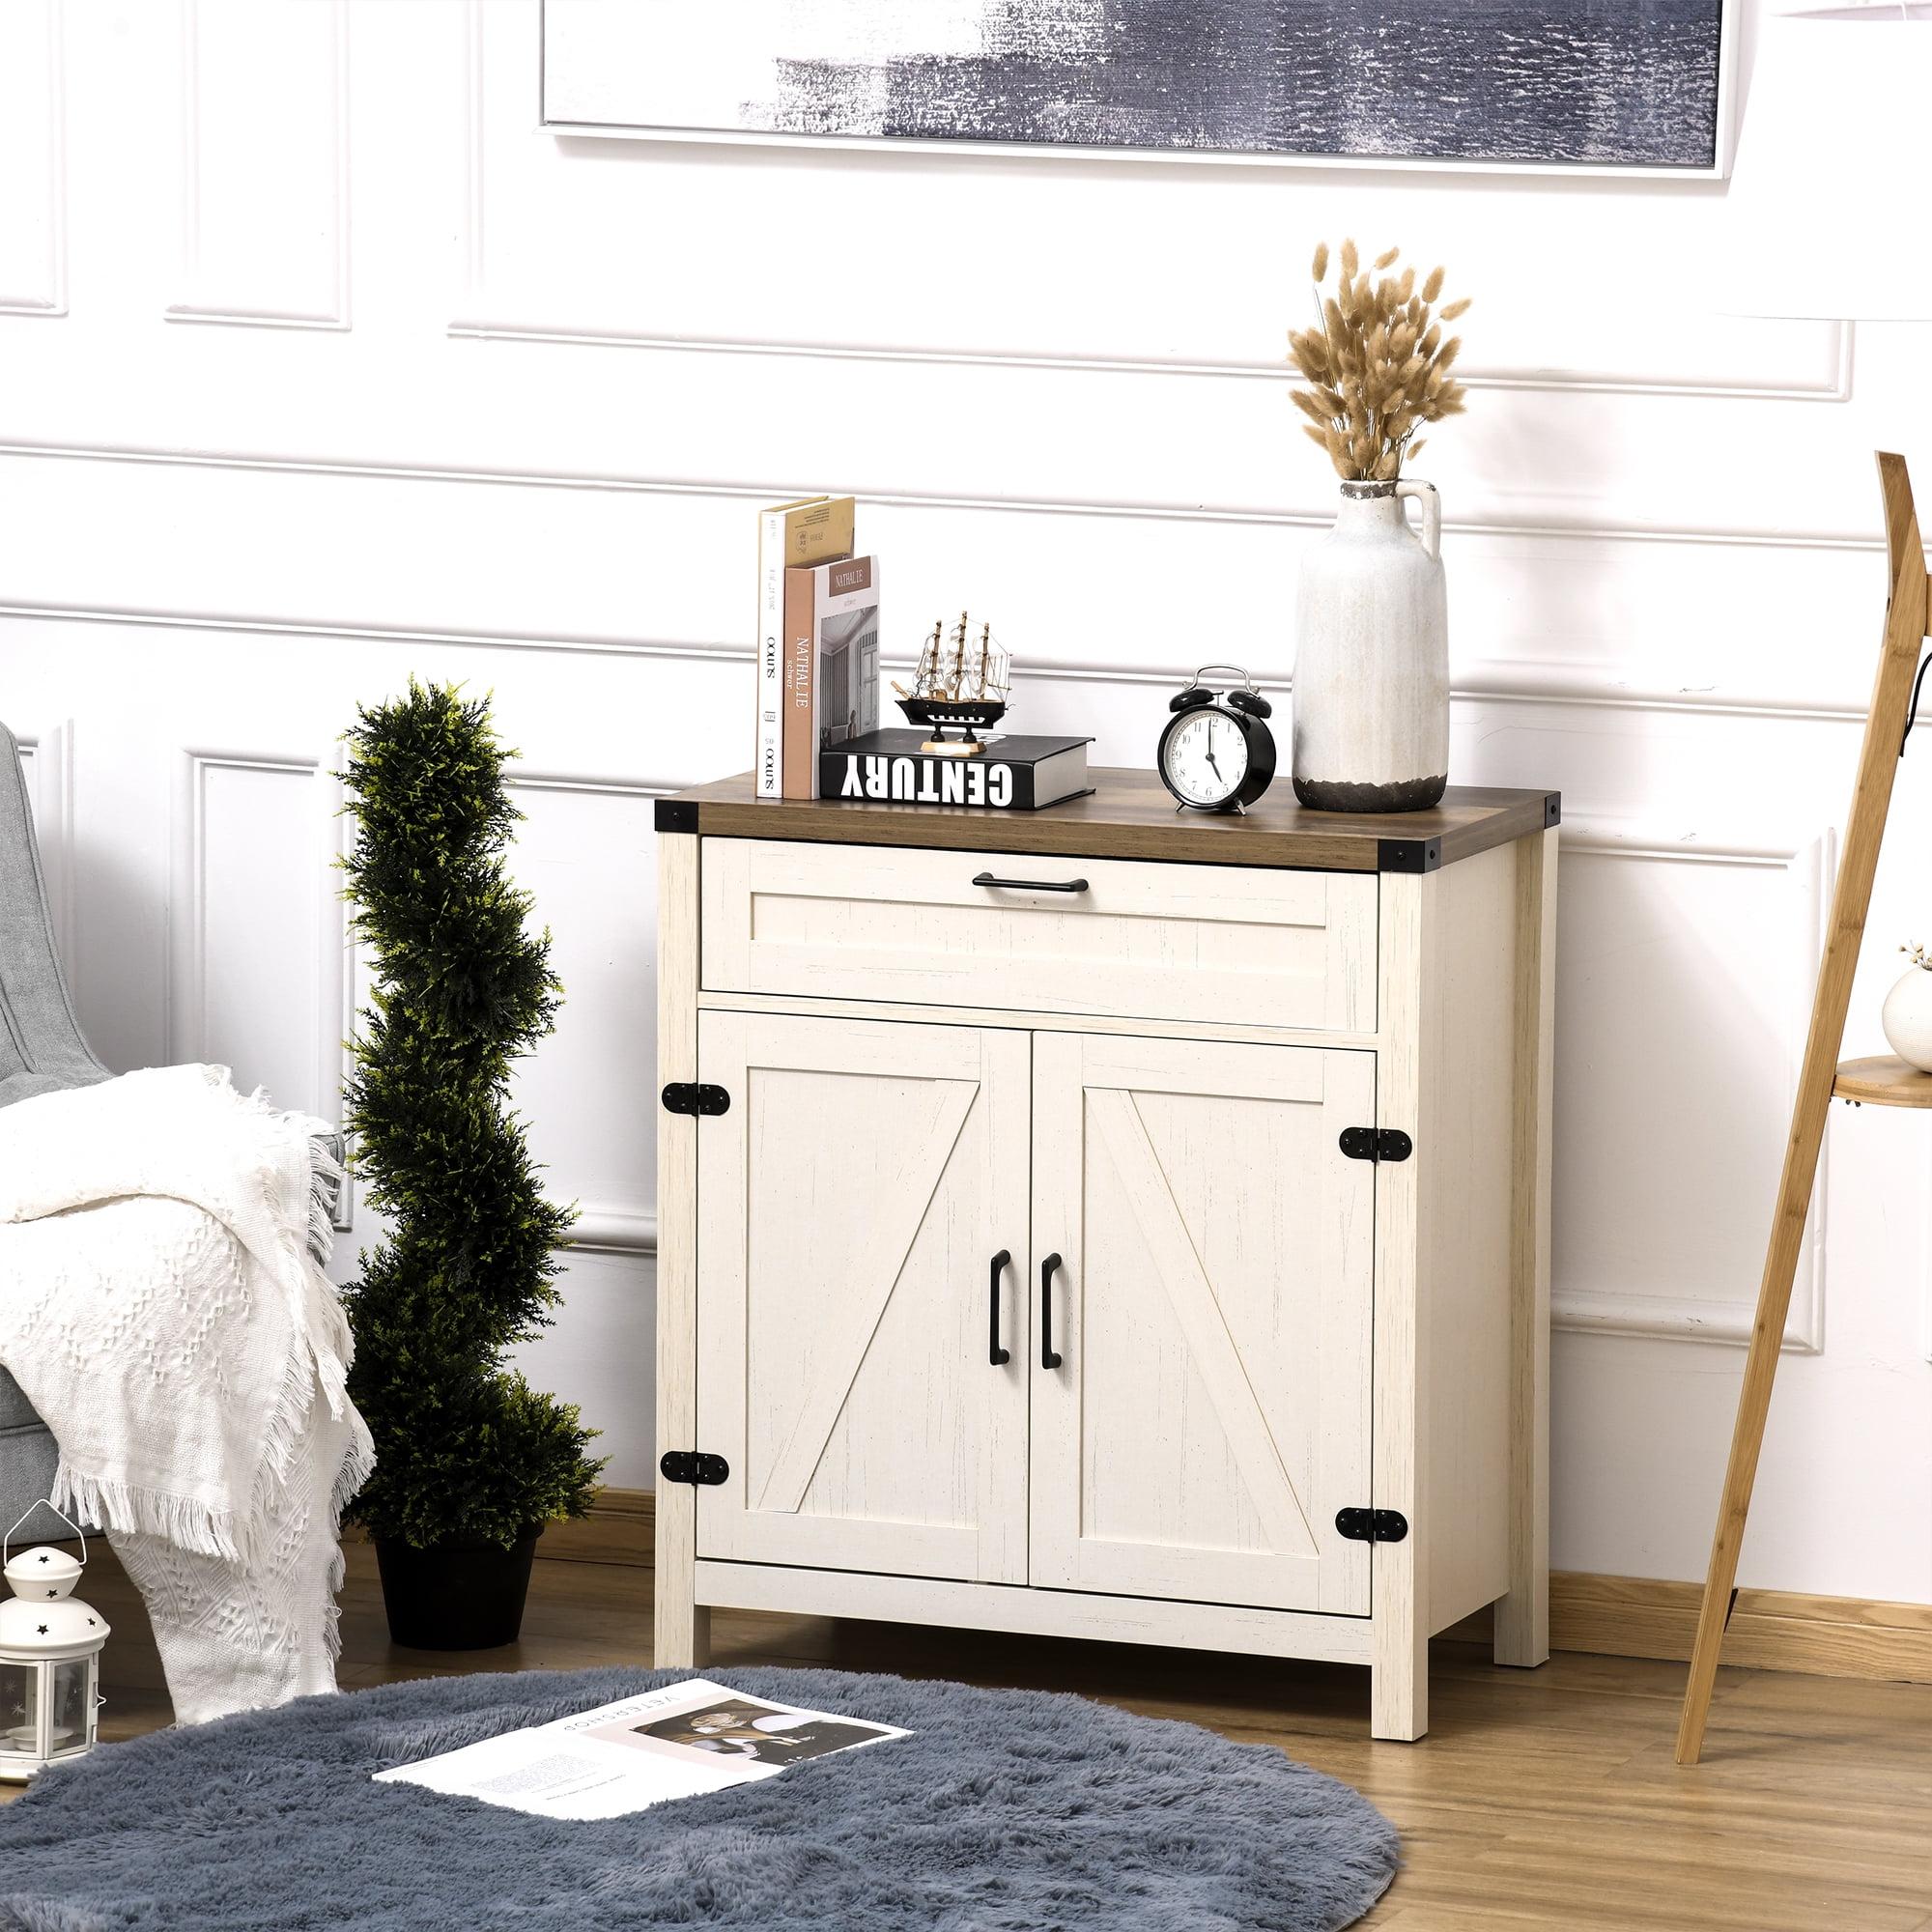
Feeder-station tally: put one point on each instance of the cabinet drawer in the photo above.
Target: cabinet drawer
(1138, 940)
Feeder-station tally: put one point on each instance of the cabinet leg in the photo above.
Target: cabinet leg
(681, 1640)
(1399, 1698)
(681, 1629)
(1399, 1662)
(1522, 1623)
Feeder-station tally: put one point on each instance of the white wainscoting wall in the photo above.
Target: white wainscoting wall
(322, 367)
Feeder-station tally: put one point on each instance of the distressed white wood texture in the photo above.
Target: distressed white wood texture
(1033, 1019)
(1145, 940)
(1467, 1205)
(680, 1631)
(534, 465)
(1212, 1310)
(1399, 1676)
(849, 1206)
(996, 1607)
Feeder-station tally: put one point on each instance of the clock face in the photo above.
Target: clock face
(1204, 758)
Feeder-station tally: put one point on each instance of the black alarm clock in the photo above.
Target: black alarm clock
(1217, 753)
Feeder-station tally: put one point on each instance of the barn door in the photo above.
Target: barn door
(1211, 1311)
(850, 1205)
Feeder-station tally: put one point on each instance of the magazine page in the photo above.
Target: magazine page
(679, 1741)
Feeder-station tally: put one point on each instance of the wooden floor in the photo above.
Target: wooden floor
(1540, 1798)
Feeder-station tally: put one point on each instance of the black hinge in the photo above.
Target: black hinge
(693, 1467)
(1365, 1525)
(694, 1097)
(1376, 1143)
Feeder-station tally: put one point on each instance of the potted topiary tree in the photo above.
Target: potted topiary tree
(471, 1461)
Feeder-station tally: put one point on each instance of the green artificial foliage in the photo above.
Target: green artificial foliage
(466, 1450)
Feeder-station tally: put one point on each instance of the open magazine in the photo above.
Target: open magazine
(679, 1741)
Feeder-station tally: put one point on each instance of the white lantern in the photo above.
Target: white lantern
(49, 1658)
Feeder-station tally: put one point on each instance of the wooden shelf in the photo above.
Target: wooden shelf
(1884, 1080)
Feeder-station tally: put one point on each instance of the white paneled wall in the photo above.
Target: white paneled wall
(264, 166)
(485, 404)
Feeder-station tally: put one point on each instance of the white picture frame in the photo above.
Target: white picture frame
(559, 85)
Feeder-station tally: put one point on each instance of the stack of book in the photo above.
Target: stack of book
(818, 642)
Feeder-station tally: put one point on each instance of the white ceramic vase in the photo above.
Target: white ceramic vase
(1372, 656)
(1907, 1019)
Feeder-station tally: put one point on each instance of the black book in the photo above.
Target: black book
(1011, 775)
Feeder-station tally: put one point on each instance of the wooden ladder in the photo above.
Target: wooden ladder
(1885, 1081)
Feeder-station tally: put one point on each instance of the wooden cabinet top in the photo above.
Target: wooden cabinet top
(1130, 814)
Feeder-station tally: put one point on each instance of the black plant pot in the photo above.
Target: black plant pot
(456, 1596)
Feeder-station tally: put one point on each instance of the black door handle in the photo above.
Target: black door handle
(995, 1354)
(1031, 885)
(1047, 1358)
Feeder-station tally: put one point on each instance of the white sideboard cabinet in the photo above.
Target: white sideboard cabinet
(1108, 1222)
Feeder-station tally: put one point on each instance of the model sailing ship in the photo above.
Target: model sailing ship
(958, 687)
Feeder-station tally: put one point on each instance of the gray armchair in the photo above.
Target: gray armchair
(41, 1050)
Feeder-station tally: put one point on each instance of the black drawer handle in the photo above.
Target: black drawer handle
(1032, 885)
(1047, 1358)
(995, 1354)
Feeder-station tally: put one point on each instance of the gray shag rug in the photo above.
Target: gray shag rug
(1009, 1811)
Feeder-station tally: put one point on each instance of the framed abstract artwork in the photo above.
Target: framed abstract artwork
(1555, 85)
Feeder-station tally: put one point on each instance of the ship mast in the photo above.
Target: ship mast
(958, 678)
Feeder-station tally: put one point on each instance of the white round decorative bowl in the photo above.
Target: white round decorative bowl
(1907, 1019)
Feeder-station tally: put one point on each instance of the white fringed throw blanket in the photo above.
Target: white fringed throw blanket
(163, 1307)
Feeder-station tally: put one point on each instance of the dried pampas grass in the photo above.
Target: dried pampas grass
(1376, 364)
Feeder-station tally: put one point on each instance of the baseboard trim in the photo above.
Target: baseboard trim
(1605, 1616)
(619, 1529)
(1770, 1629)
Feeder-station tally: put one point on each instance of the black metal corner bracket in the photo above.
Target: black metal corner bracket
(696, 1096)
(693, 1467)
(1372, 1525)
(1408, 855)
(1376, 1144)
(676, 815)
